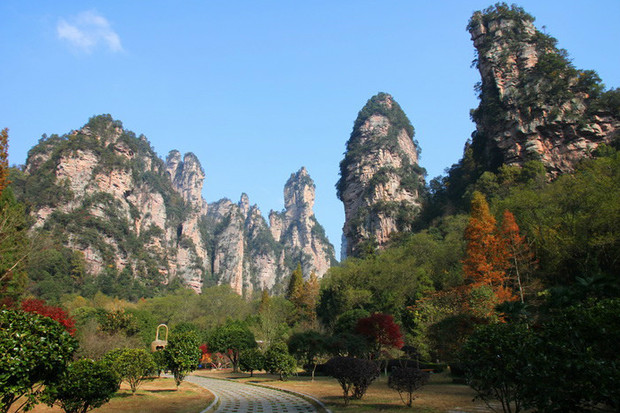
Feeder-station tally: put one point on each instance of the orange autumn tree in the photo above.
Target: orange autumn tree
(486, 256)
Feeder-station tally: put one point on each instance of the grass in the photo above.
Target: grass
(157, 396)
(439, 395)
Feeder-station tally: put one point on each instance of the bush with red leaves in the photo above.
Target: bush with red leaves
(381, 331)
(32, 305)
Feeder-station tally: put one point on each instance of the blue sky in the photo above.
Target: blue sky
(257, 89)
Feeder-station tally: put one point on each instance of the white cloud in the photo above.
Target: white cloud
(87, 30)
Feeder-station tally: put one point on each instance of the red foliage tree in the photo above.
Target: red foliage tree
(55, 313)
(205, 358)
(381, 330)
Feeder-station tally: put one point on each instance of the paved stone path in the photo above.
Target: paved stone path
(239, 397)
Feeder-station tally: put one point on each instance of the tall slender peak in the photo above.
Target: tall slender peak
(380, 179)
(297, 229)
(187, 178)
(299, 192)
(534, 104)
(244, 204)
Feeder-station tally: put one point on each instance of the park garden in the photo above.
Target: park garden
(507, 286)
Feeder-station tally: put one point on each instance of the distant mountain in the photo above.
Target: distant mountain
(105, 192)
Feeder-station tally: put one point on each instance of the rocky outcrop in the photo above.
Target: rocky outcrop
(187, 178)
(109, 194)
(244, 255)
(296, 228)
(380, 179)
(125, 209)
(227, 223)
(534, 105)
(250, 255)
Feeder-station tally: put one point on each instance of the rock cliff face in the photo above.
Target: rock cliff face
(250, 255)
(295, 228)
(534, 105)
(380, 179)
(244, 254)
(112, 198)
(109, 195)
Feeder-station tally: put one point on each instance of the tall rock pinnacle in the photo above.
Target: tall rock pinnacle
(187, 178)
(380, 180)
(534, 104)
(297, 229)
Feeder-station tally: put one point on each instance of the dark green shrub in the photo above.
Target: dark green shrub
(85, 385)
(34, 351)
(406, 380)
(352, 374)
(495, 359)
(251, 360)
(278, 361)
(182, 355)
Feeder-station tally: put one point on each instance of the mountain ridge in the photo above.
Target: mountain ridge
(124, 208)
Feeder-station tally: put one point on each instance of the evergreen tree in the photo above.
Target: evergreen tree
(14, 248)
(265, 301)
(520, 255)
(295, 285)
(4, 159)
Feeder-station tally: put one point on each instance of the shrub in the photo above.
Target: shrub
(278, 361)
(182, 355)
(159, 358)
(85, 385)
(407, 380)
(496, 361)
(576, 361)
(352, 373)
(55, 313)
(251, 360)
(131, 365)
(34, 351)
(135, 365)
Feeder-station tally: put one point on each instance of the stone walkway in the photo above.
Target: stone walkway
(239, 397)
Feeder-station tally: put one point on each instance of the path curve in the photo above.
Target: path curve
(240, 397)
